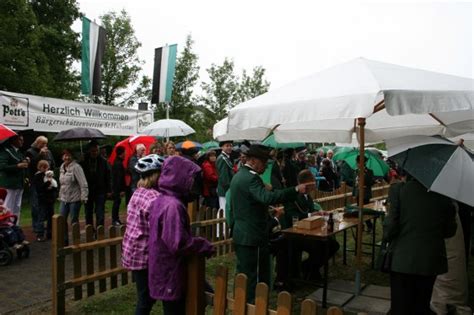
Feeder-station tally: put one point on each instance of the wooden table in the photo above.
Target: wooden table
(321, 234)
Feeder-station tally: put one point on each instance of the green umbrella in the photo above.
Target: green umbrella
(210, 145)
(373, 161)
(272, 143)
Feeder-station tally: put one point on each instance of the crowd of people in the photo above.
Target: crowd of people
(243, 182)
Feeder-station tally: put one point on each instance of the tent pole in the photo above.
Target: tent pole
(360, 224)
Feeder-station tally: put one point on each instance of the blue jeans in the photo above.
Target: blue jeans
(144, 302)
(74, 208)
(99, 202)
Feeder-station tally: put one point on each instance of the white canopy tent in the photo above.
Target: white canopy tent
(220, 133)
(394, 100)
(375, 100)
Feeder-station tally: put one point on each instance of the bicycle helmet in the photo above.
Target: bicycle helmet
(149, 163)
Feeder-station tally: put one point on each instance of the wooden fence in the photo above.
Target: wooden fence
(98, 266)
(343, 196)
(210, 223)
(223, 304)
(100, 269)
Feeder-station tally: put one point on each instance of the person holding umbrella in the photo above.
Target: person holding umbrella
(417, 223)
(97, 172)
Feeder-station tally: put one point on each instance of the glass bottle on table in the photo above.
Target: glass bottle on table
(331, 223)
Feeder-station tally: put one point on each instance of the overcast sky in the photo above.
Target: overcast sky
(292, 39)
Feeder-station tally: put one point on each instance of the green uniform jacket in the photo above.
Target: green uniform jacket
(300, 208)
(249, 202)
(224, 173)
(11, 177)
(417, 224)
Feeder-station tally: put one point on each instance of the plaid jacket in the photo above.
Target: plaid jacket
(135, 240)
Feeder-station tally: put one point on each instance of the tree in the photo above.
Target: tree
(38, 47)
(252, 86)
(59, 43)
(221, 93)
(121, 65)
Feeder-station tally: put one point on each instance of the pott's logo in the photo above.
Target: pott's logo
(14, 110)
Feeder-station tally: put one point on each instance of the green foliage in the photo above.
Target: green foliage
(221, 93)
(60, 44)
(121, 64)
(38, 46)
(226, 89)
(252, 86)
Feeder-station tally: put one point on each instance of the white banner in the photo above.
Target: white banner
(22, 111)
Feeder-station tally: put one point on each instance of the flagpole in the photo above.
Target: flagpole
(167, 105)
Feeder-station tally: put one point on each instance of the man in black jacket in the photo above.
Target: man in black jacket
(97, 172)
(118, 184)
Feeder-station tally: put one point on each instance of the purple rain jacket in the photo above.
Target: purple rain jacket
(170, 238)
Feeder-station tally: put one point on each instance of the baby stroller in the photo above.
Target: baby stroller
(11, 239)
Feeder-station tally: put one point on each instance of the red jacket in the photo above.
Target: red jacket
(209, 174)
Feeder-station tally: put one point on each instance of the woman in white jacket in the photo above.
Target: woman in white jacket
(73, 189)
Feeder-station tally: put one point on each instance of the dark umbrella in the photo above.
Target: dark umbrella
(79, 134)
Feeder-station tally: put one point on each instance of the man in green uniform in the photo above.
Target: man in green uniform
(249, 204)
(225, 172)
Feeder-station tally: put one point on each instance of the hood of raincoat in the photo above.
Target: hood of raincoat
(177, 176)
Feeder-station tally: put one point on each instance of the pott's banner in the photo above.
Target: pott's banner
(22, 111)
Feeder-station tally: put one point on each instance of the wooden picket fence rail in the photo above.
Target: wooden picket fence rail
(96, 270)
(210, 223)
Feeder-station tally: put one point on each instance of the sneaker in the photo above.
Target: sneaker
(40, 239)
(25, 242)
(116, 223)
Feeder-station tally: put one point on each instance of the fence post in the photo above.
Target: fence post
(284, 303)
(240, 294)
(192, 210)
(90, 259)
(195, 298)
(220, 295)
(57, 260)
(113, 256)
(77, 260)
(261, 298)
(308, 307)
(124, 275)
